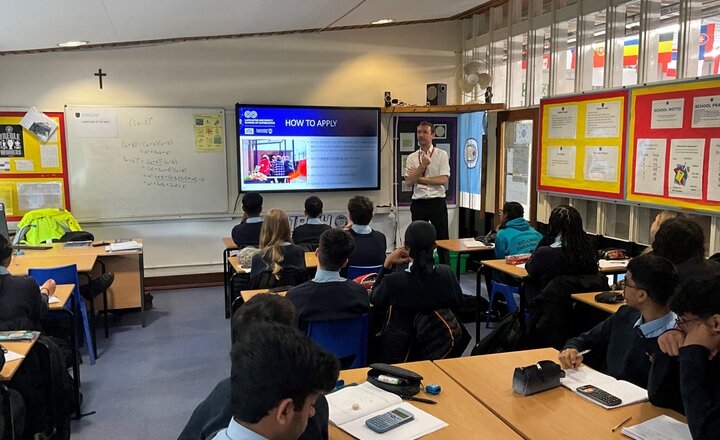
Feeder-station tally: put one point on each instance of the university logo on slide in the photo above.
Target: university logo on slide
(470, 153)
(250, 114)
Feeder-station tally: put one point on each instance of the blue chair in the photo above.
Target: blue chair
(346, 338)
(508, 292)
(68, 275)
(356, 271)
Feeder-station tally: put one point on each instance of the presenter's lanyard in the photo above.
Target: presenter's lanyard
(430, 155)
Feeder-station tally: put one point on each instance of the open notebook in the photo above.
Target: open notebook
(660, 428)
(352, 406)
(627, 392)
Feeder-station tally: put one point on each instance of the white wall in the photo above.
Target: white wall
(343, 68)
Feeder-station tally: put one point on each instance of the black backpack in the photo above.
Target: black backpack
(507, 336)
(77, 236)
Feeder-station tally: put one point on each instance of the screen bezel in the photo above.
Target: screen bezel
(258, 188)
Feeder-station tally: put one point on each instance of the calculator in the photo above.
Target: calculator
(389, 420)
(599, 395)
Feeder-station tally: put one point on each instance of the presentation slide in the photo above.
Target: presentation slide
(308, 148)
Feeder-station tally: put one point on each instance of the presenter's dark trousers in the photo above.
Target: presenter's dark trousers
(435, 212)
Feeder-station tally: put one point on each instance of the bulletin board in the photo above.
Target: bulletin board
(674, 145)
(34, 173)
(445, 139)
(583, 144)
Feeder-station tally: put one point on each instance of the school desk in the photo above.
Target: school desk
(19, 347)
(557, 413)
(457, 245)
(589, 299)
(465, 416)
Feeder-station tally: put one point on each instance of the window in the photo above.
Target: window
(709, 44)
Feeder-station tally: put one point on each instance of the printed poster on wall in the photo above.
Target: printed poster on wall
(561, 162)
(562, 122)
(685, 175)
(601, 163)
(673, 137)
(650, 166)
(11, 140)
(602, 119)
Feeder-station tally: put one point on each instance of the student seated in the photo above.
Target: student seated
(279, 262)
(514, 236)
(370, 245)
(564, 263)
(308, 235)
(681, 241)
(247, 233)
(277, 376)
(214, 412)
(697, 305)
(424, 287)
(624, 345)
(329, 296)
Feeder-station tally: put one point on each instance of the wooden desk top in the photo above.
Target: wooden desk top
(502, 266)
(557, 413)
(247, 294)
(456, 245)
(229, 243)
(520, 272)
(589, 298)
(20, 347)
(466, 417)
(21, 263)
(59, 250)
(311, 261)
(62, 292)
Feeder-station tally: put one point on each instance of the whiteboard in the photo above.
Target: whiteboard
(129, 162)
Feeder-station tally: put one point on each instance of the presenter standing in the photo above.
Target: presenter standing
(428, 171)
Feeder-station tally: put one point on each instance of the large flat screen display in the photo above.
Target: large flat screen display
(287, 148)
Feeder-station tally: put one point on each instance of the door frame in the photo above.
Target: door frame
(531, 113)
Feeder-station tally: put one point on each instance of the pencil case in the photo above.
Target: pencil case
(542, 376)
(394, 379)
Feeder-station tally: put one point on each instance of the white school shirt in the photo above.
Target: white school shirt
(439, 166)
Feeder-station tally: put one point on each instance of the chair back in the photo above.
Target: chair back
(346, 338)
(356, 271)
(61, 274)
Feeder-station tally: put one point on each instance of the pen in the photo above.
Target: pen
(621, 423)
(419, 399)
(584, 352)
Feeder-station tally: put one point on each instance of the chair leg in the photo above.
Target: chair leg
(88, 333)
(93, 324)
(105, 314)
(490, 308)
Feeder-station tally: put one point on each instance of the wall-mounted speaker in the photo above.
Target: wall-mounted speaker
(388, 99)
(437, 94)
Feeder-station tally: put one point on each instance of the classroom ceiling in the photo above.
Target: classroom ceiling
(42, 24)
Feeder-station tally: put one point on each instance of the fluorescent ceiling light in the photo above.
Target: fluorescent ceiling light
(383, 21)
(73, 43)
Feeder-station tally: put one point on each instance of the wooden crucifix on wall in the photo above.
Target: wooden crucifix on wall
(100, 75)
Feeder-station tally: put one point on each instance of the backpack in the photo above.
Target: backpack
(507, 336)
(40, 225)
(438, 334)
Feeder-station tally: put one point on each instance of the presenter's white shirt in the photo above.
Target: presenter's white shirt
(439, 166)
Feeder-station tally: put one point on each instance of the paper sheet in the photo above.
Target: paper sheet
(667, 113)
(367, 396)
(99, 122)
(601, 164)
(421, 425)
(602, 119)
(39, 124)
(660, 428)
(53, 300)
(713, 184)
(12, 356)
(407, 142)
(561, 162)
(685, 175)
(706, 112)
(49, 157)
(626, 391)
(650, 166)
(562, 122)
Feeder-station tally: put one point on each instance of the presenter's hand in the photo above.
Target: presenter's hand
(425, 161)
(398, 256)
(569, 358)
(671, 341)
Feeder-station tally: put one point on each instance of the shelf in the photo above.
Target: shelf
(464, 108)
